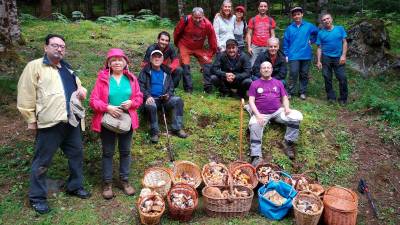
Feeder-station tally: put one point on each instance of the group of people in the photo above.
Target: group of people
(50, 93)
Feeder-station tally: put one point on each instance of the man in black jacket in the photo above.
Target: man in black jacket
(275, 57)
(158, 91)
(231, 70)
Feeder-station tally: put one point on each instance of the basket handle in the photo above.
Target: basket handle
(291, 179)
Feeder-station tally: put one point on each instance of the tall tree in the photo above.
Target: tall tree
(322, 6)
(89, 9)
(10, 32)
(163, 8)
(45, 9)
(113, 7)
(180, 8)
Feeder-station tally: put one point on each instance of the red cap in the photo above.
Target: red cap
(240, 8)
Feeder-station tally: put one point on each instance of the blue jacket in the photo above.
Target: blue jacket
(296, 40)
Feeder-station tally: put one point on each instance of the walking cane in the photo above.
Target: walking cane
(241, 130)
(169, 148)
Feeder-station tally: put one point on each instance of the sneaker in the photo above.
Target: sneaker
(342, 102)
(80, 193)
(154, 138)
(180, 133)
(127, 188)
(303, 97)
(40, 207)
(107, 191)
(256, 160)
(288, 149)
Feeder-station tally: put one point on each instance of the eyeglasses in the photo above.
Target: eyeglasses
(56, 46)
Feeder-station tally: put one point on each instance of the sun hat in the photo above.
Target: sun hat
(116, 52)
(294, 115)
(156, 51)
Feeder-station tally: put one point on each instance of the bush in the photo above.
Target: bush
(60, 17)
(25, 17)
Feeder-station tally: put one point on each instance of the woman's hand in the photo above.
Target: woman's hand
(114, 111)
(126, 104)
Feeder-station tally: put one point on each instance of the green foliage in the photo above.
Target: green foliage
(60, 17)
(145, 12)
(25, 17)
(77, 15)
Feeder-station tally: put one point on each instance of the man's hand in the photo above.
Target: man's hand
(287, 111)
(32, 126)
(164, 97)
(342, 60)
(149, 100)
(126, 104)
(287, 59)
(260, 119)
(81, 93)
(114, 111)
(250, 50)
(319, 65)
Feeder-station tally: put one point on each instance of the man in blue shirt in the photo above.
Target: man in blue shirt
(297, 41)
(331, 56)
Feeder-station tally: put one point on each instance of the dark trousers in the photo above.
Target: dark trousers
(173, 105)
(329, 65)
(177, 76)
(225, 87)
(108, 139)
(298, 69)
(48, 140)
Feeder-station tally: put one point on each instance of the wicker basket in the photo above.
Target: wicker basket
(309, 218)
(245, 168)
(189, 168)
(341, 206)
(223, 207)
(273, 166)
(206, 169)
(146, 218)
(306, 176)
(153, 176)
(183, 215)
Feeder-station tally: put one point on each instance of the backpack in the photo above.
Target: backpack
(186, 21)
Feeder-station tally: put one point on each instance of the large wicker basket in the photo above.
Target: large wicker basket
(176, 213)
(206, 169)
(245, 168)
(227, 207)
(189, 168)
(309, 218)
(153, 176)
(341, 206)
(146, 218)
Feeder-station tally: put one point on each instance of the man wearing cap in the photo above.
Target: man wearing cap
(158, 91)
(297, 40)
(260, 29)
(268, 101)
(189, 36)
(45, 89)
(231, 70)
(331, 57)
(275, 57)
(171, 58)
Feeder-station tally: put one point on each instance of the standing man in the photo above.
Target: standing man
(231, 70)
(275, 57)
(268, 101)
(158, 91)
(45, 89)
(297, 41)
(171, 58)
(260, 29)
(331, 56)
(189, 36)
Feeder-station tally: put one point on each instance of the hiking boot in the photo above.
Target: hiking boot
(127, 188)
(40, 207)
(154, 138)
(342, 102)
(303, 97)
(107, 191)
(288, 148)
(256, 160)
(180, 133)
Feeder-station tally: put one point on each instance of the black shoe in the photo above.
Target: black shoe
(342, 102)
(40, 207)
(288, 149)
(154, 138)
(180, 133)
(80, 193)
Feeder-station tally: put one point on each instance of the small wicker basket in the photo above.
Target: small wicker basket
(273, 166)
(245, 168)
(309, 218)
(158, 179)
(189, 168)
(146, 218)
(206, 170)
(183, 215)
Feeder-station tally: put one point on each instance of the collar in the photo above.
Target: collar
(47, 62)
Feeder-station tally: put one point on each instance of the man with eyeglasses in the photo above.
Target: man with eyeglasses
(46, 88)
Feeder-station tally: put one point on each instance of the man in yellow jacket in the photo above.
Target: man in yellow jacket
(44, 93)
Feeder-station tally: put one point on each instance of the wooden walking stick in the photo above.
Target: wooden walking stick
(241, 130)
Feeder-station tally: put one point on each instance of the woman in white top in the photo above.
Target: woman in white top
(224, 24)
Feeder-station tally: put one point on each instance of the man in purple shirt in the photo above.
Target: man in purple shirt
(268, 100)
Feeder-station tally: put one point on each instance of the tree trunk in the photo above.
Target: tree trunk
(89, 9)
(163, 8)
(180, 8)
(114, 7)
(304, 5)
(10, 32)
(45, 9)
(322, 7)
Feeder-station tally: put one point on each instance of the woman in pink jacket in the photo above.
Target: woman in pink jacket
(116, 89)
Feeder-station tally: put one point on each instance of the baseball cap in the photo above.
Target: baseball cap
(240, 8)
(231, 42)
(156, 51)
(296, 9)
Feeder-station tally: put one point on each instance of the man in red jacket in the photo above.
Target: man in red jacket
(189, 36)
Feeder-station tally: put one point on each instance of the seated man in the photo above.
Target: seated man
(231, 70)
(156, 85)
(275, 57)
(268, 100)
(171, 58)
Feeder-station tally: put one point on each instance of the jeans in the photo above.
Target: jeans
(298, 69)
(224, 87)
(108, 139)
(48, 140)
(329, 65)
(256, 130)
(174, 104)
(256, 51)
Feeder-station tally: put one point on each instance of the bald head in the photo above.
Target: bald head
(266, 70)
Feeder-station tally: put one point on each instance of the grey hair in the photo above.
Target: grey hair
(198, 10)
(324, 14)
(273, 39)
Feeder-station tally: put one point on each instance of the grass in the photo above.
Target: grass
(325, 145)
